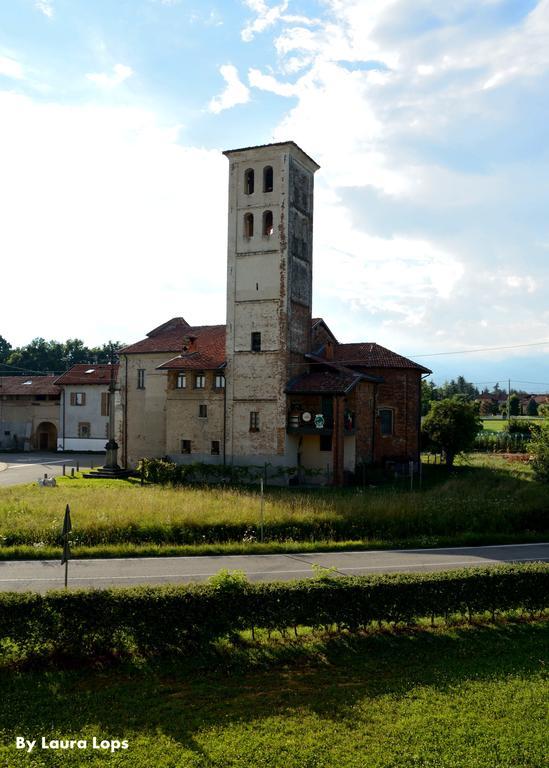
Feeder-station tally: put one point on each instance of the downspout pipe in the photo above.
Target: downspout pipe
(125, 412)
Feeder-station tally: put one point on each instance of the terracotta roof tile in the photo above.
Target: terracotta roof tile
(28, 385)
(372, 355)
(172, 338)
(88, 374)
(207, 353)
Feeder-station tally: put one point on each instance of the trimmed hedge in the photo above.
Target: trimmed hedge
(160, 620)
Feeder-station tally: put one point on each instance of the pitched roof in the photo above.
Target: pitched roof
(28, 385)
(207, 352)
(170, 337)
(320, 382)
(370, 355)
(88, 374)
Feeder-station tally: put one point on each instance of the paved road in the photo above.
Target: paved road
(16, 468)
(48, 574)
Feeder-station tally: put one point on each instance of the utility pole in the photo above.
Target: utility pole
(508, 403)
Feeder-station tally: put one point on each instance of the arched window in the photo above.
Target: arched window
(268, 224)
(249, 181)
(248, 225)
(267, 179)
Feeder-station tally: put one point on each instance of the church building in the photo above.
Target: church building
(274, 385)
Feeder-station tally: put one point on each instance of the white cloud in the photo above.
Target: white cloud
(269, 83)
(104, 205)
(235, 91)
(9, 67)
(120, 73)
(45, 7)
(266, 17)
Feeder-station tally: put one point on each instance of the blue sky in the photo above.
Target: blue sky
(428, 118)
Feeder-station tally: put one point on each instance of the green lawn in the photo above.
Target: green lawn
(501, 425)
(454, 698)
(485, 499)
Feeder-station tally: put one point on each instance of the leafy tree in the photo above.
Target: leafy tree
(452, 424)
(5, 348)
(532, 408)
(543, 410)
(43, 356)
(428, 394)
(514, 404)
(539, 449)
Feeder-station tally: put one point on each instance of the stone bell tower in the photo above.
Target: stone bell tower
(269, 293)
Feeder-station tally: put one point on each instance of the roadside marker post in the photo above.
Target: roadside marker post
(67, 528)
(262, 511)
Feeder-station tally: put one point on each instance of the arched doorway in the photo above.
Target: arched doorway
(46, 436)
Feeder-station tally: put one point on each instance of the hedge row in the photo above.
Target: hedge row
(159, 620)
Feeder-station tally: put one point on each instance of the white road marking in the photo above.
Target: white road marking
(271, 573)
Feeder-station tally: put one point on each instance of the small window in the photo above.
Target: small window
(215, 448)
(202, 411)
(248, 225)
(254, 421)
(249, 180)
(386, 421)
(268, 179)
(268, 224)
(256, 341)
(105, 400)
(84, 430)
(185, 446)
(199, 381)
(140, 378)
(78, 398)
(325, 442)
(181, 381)
(219, 381)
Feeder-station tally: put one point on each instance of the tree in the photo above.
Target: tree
(452, 424)
(532, 408)
(543, 410)
(514, 405)
(5, 348)
(428, 394)
(539, 449)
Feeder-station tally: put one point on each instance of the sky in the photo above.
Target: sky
(428, 119)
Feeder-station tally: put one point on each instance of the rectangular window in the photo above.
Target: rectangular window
(140, 378)
(325, 442)
(199, 381)
(202, 411)
(78, 398)
(105, 401)
(84, 429)
(185, 446)
(215, 448)
(254, 421)
(256, 341)
(181, 381)
(386, 421)
(219, 382)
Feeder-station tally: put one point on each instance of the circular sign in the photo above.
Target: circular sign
(319, 421)
(306, 416)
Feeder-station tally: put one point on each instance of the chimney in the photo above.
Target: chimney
(189, 344)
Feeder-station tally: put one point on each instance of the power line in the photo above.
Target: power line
(483, 349)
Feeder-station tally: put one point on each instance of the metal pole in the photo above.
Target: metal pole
(420, 472)
(66, 573)
(262, 509)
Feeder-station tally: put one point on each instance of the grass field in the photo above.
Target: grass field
(470, 697)
(501, 425)
(485, 499)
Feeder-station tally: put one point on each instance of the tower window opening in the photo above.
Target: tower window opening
(256, 341)
(268, 224)
(249, 181)
(268, 179)
(248, 225)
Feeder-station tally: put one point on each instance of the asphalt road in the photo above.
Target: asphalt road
(16, 468)
(42, 575)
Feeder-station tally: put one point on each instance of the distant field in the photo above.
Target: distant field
(501, 425)
(454, 698)
(485, 496)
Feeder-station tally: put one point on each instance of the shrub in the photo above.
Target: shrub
(452, 424)
(539, 448)
(161, 620)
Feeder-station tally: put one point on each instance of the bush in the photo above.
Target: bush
(452, 424)
(161, 620)
(539, 448)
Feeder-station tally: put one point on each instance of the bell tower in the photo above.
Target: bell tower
(269, 294)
